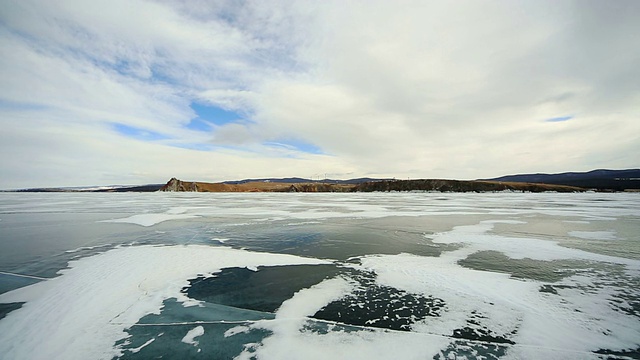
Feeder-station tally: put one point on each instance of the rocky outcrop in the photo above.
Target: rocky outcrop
(179, 185)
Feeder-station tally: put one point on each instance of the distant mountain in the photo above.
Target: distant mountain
(617, 180)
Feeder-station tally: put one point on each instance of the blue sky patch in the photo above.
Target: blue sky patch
(123, 67)
(199, 125)
(137, 133)
(195, 146)
(560, 119)
(18, 106)
(208, 115)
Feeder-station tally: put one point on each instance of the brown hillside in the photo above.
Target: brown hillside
(384, 185)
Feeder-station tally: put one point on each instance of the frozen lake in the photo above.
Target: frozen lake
(317, 276)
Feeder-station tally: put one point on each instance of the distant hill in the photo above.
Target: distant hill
(369, 186)
(617, 180)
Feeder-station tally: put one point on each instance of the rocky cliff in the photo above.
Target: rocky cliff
(179, 185)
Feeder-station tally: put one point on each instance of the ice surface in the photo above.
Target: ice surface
(322, 206)
(81, 314)
(572, 324)
(192, 334)
(308, 301)
(594, 235)
(290, 341)
(476, 238)
(364, 345)
(150, 219)
(23, 276)
(136, 350)
(87, 248)
(566, 326)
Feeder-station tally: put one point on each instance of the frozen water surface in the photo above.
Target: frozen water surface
(317, 276)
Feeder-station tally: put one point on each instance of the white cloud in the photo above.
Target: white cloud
(412, 88)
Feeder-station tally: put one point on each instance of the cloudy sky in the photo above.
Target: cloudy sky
(133, 92)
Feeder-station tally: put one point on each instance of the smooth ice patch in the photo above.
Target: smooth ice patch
(192, 334)
(82, 313)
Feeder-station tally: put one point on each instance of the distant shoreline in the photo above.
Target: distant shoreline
(438, 185)
(601, 180)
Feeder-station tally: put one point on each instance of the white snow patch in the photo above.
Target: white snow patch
(358, 345)
(83, 312)
(293, 313)
(192, 334)
(135, 350)
(307, 302)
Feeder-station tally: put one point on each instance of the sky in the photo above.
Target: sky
(133, 92)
